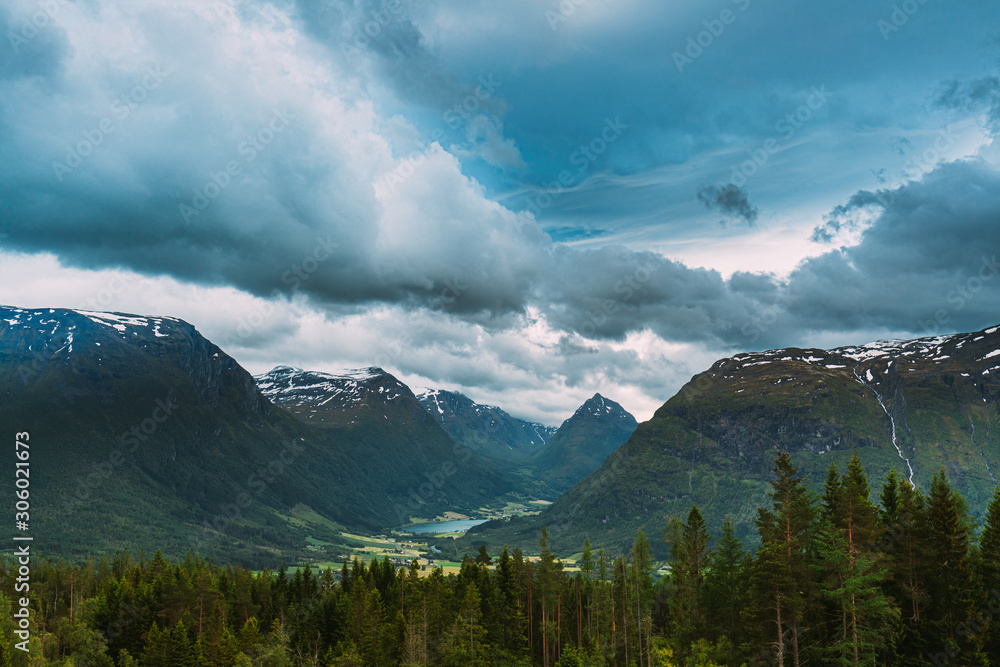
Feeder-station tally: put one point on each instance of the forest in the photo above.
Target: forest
(836, 579)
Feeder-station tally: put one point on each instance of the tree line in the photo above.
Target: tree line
(837, 579)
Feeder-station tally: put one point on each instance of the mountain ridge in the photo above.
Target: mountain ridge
(583, 442)
(487, 429)
(221, 467)
(918, 404)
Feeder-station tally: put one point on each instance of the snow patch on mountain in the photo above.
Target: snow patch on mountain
(340, 389)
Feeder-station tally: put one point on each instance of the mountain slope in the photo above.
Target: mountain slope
(376, 421)
(145, 434)
(911, 405)
(583, 442)
(485, 429)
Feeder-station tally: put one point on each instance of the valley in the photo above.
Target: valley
(350, 479)
(370, 457)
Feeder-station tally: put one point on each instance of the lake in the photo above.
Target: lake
(445, 526)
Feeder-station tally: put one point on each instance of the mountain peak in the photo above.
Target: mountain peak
(584, 441)
(487, 429)
(599, 406)
(287, 385)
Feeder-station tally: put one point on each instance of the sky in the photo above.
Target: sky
(527, 201)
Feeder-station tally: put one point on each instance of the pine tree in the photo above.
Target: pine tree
(725, 590)
(180, 652)
(465, 643)
(854, 571)
(415, 652)
(6, 632)
(641, 576)
(157, 649)
(889, 499)
(587, 570)
(690, 559)
(988, 571)
(953, 624)
(784, 561)
(548, 585)
(483, 558)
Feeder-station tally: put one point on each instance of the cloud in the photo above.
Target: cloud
(900, 145)
(731, 200)
(926, 261)
(357, 170)
(973, 96)
(37, 45)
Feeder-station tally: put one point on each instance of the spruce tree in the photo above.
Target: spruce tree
(689, 562)
(950, 585)
(784, 561)
(641, 576)
(725, 590)
(988, 571)
(854, 570)
(6, 631)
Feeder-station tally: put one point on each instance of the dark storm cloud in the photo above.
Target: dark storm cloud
(380, 33)
(730, 200)
(927, 263)
(303, 216)
(612, 291)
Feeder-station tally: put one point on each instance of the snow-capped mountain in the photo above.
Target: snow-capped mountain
(144, 429)
(915, 406)
(95, 345)
(889, 371)
(325, 397)
(583, 442)
(485, 428)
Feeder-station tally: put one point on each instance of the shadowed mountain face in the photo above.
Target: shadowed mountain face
(146, 434)
(583, 442)
(910, 405)
(485, 429)
(547, 461)
(377, 421)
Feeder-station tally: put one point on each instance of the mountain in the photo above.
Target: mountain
(143, 432)
(380, 424)
(485, 429)
(341, 398)
(583, 442)
(146, 434)
(910, 405)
